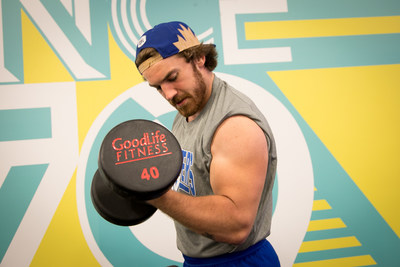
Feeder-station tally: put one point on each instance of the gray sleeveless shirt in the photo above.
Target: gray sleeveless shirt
(195, 139)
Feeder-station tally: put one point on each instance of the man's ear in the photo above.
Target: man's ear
(200, 61)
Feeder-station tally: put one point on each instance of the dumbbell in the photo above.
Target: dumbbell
(138, 160)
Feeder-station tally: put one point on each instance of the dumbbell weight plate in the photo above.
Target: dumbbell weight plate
(140, 158)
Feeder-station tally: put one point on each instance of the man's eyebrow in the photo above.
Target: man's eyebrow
(165, 78)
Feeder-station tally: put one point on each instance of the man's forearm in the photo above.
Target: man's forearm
(213, 216)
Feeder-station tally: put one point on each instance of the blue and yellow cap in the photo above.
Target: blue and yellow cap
(168, 39)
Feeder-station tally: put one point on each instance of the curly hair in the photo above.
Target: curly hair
(190, 54)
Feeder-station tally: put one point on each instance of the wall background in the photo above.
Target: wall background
(326, 75)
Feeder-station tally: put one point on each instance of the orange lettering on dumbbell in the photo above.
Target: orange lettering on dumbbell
(154, 173)
(120, 147)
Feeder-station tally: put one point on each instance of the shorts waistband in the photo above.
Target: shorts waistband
(225, 257)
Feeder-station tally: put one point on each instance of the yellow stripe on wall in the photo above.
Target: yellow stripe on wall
(320, 204)
(325, 224)
(321, 27)
(333, 243)
(364, 260)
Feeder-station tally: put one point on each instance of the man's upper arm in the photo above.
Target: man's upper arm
(239, 164)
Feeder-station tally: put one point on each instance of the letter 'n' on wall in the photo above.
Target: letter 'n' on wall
(75, 30)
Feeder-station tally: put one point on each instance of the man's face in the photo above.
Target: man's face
(180, 83)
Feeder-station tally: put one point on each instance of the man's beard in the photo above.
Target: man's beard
(195, 101)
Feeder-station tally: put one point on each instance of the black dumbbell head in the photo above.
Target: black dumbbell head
(139, 160)
(117, 209)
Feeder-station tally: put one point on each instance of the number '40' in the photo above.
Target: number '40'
(151, 173)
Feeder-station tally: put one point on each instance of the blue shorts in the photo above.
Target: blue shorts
(259, 254)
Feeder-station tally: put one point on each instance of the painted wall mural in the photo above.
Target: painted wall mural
(324, 73)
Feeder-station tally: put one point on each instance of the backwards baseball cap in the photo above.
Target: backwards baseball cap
(168, 39)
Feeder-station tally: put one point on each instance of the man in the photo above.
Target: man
(222, 203)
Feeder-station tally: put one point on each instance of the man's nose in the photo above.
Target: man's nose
(168, 91)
